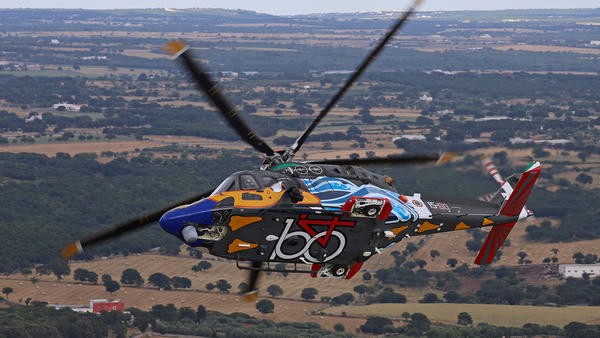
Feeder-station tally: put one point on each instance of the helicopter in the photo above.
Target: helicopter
(323, 218)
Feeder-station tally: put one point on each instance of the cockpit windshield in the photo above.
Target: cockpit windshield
(226, 185)
(254, 180)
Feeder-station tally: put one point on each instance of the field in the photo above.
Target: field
(50, 149)
(502, 315)
(543, 48)
(452, 245)
(69, 291)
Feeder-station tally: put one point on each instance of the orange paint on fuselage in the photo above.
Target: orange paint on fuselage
(264, 198)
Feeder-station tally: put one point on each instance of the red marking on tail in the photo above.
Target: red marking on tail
(511, 208)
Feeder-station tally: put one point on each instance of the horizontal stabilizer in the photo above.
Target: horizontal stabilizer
(512, 207)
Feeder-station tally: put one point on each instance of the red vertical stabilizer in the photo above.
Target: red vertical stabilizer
(512, 207)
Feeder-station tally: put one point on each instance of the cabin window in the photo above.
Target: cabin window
(248, 182)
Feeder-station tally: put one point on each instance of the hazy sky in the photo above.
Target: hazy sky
(283, 7)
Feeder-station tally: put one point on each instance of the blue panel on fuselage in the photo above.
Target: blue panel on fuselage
(197, 213)
(335, 191)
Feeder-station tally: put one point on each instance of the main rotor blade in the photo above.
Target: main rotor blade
(350, 81)
(118, 229)
(396, 159)
(181, 50)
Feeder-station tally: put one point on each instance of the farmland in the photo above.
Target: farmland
(143, 137)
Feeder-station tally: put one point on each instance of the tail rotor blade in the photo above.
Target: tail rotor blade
(181, 50)
(119, 229)
(490, 167)
(350, 81)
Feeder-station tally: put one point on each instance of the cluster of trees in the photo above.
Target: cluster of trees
(76, 194)
(499, 286)
(200, 322)
(418, 325)
(38, 320)
(578, 218)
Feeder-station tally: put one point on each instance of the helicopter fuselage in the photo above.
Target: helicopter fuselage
(325, 215)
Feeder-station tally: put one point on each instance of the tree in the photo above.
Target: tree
(223, 286)
(309, 293)
(343, 299)
(421, 263)
(389, 296)
(375, 324)
(200, 313)
(474, 245)
(111, 286)
(451, 262)
(360, 289)
(419, 323)
(522, 255)
(85, 276)
(142, 319)
(339, 327)
(275, 290)
(7, 291)
(201, 266)
(131, 277)
(464, 318)
(353, 131)
(434, 253)
(193, 252)
(243, 287)
(584, 178)
(105, 278)
(167, 312)
(187, 312)
(452, 297)
(181, 282)
(59, 268)
(160, 280)
(265, 306)
(366, 276)
(430, 298)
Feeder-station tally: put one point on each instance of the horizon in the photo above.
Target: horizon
(306, 7)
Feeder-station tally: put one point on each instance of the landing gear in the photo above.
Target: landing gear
(332, 271)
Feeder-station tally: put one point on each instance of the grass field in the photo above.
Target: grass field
(50, 149)
(505, 315)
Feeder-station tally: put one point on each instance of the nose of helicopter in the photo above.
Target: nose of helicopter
(174, 220)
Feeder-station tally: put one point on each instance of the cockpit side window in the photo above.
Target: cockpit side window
(248, 182)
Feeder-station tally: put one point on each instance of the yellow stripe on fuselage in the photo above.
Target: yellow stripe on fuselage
(262, 198)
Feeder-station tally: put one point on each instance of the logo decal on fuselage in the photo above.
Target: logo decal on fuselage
(335, 191)
(310, 236)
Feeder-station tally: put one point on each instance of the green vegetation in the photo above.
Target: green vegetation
(69, 196)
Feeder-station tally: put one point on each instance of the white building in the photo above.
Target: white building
(425, 98)
(411, 137)
(577, 270)
(32, 118)
(67, 106)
